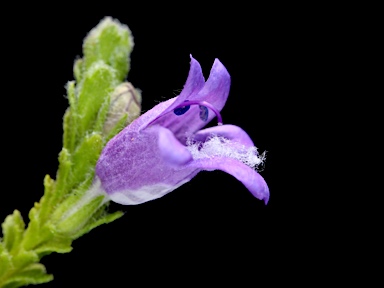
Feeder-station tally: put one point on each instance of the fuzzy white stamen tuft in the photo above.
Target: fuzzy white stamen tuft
(216, 146)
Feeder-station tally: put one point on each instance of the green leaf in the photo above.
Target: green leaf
(71, 94)
(20, 270)
(36, 234)
(32, 274)
(38, 230)
(13, 229)
(84, 159)
(98, 83)
(70, 124)
(24, 258)
(69, 135)
(63, 174)
(49, 188)
(5, 263)
(102, 116)
(78, 69)
(43, 208)
(58, 245)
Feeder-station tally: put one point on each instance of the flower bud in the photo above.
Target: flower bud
(125, 99)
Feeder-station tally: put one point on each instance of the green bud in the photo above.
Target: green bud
(125, 100)
(111, 42)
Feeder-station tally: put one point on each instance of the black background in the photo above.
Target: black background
(211, 230)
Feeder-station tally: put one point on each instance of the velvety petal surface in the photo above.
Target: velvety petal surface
(195, 82)
(140, 166)
(215, 92)
(172, 151)
(216, 89)
(248, 176)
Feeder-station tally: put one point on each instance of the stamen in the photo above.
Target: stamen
(182, 110)
(203, 113)
(184, 107)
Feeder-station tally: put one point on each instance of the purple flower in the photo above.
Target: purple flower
(165, 148)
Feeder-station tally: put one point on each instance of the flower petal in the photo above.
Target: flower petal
(137, 167)
(193, 85)
(215, 92)
(216, 89)
(143, 194)
(195, 82)
(249, 177)
(172, 151)
(230, 132)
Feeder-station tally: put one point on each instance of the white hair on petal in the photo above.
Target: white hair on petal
(217, 146)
